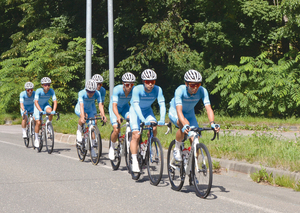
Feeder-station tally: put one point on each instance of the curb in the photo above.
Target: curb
(228, 165)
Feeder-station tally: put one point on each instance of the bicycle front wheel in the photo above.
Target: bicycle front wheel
(116, 162)
(126, 147)
(26, 140)
(175, 169)
(49, 138)
(202, 171)
(155, 159)
(95, 144)
(41, 141)
(31, 135)
(81, 149)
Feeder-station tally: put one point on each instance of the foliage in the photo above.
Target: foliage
(259, 86)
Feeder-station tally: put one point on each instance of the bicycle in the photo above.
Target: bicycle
(46, 133)
(122, 145)
(196, 163)
(29, 129)
(90, 131)
(150, 154)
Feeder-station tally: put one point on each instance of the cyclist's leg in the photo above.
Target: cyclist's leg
(193, 123)
(36, 115)
(113, 121)
(24, 121)
(48, 109)
(134, 144)
(149, 116)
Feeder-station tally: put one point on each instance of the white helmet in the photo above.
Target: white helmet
(97, 78)
(91, 85)
(148, 74)
(46, 80)
(128, 77)
(193, 76)
(29, 85)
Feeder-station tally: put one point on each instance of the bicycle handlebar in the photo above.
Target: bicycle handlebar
(152, 124)
(25, 113)
(47, 113)
(200, 129)
(96, 118)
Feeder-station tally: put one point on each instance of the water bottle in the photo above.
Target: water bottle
(143, 148)
(186, 153)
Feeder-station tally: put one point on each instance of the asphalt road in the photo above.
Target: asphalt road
(39, 182)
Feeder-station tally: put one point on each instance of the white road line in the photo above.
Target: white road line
(247, 204)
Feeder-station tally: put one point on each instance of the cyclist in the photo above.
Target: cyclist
(26, 104)
(140, 110)
(119, 105)
(85, 106)
(182, 112)
(41, 98)
(99, 80)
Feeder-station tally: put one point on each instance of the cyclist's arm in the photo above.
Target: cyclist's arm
(135, 100)
(82, 120)
(162, 105)
(210, 113)
(101, 109)
(36, 103)
(116, 112)
(22, 107)
(54, 105)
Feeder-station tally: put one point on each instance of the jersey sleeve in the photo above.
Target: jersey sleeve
(53, 95)
(21, 97)
(205, 98)
(115, 95)
(37, 95)
(80, 98)
(98, 97)
(178, 97)
(162, 105)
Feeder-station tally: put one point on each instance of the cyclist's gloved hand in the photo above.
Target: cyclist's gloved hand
(185, 127)
(44, 112)
(22, 112)
(53, 112)
(161, 123)
(213, 125)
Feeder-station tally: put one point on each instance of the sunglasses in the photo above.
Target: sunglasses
(90, 92)
(46, 85)
(29, 90)
(128, 84)
(99, 84)
(150, 81)
(193, 85)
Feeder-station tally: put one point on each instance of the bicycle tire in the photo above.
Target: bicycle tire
(175, 169)
(155, 161)
(26, 140)
(81, 149)
(203, 177)
(97, 145)
(134, 175)
(49, 138)
(116, 162)
(32, 125)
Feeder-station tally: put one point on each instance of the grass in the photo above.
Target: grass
(263, 148)
(262, 176)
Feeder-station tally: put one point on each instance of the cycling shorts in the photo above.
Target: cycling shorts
(189, 116)
(135, 121)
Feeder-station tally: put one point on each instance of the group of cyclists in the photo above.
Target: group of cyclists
(141, 97)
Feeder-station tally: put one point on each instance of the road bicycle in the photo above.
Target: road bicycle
(196, 163)
(122, 145)
(149, 154)
(46, 132)
(29, 129)
(91, 140)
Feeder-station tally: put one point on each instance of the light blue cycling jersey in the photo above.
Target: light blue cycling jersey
(142, 101)
(119, 97)
(88, 103)
(102, 92)
(188, 103)
(43, 99)
(27, 101)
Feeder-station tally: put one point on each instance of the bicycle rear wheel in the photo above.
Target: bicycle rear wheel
(135, 175)
(116, 162)
(49, 138)
(26, 140)
(95, 145)
(155, 159)
(175, 169)
(202, 172)
(41, 141)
